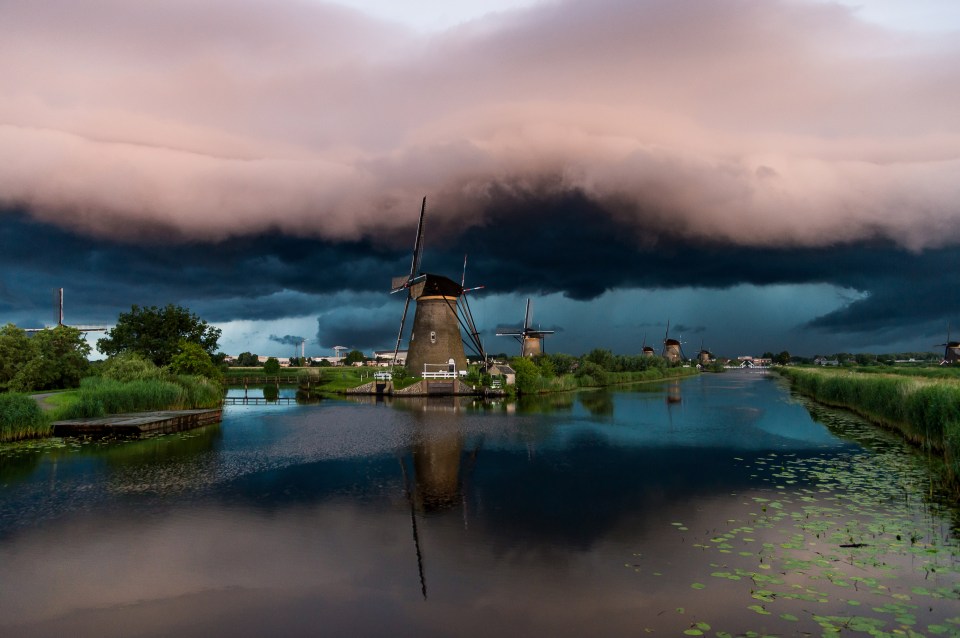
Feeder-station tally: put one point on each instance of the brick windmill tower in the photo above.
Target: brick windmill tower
(442, 311)
(672, 348)
(951, 350)
(530, 338)
(647, 351)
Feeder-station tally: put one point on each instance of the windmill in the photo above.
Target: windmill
(58, 315)
(704, 356)
(442, 311)
(530, 338)
(647, 351)
(672, 348)
(951, 350)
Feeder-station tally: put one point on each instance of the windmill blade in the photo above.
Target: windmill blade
(403, 319)
(526, 317)
(666, 335)
(418, 244)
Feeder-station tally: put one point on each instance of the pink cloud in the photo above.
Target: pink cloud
(748, 121)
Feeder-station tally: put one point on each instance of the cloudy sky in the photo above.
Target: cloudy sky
(764, 174)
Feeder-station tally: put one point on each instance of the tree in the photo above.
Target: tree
(16, 349)
(247, 360)
(545, 364)
(271, 366)
(156, 333)
(355, 356)
(59, 361)
(193, 359)
(528, 376)
(783, 358)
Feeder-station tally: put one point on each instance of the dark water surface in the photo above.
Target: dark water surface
(716, 506)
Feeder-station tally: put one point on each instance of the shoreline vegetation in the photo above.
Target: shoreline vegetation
(924, 408)
(21, 416)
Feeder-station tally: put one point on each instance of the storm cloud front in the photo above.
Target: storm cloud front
(266, 160)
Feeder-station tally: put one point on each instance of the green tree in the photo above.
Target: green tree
(355, 356)
(603, 358)
(193, 359)
(156, 333)
(562, 363)
(271, 366)
(545, 364)
(16, 349)
(59, 361)
(247, 360)
(783, 358)
(528, 376)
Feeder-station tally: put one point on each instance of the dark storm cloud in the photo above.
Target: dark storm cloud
(356, 329)
(532, 245)
(262, 277)
(289, 340)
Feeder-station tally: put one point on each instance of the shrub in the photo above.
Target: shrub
(129, 366)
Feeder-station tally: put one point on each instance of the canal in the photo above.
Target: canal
(720, 505)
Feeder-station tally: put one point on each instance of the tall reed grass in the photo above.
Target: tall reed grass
(22, 418)
(99, 396)
(926, 411)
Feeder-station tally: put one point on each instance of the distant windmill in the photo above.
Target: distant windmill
(530, 338)
(58, 315)
(951, 350)
(704, 356)
(672, 348)
(647, 351)
(442, 311)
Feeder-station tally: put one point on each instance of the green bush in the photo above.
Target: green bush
(129, 366)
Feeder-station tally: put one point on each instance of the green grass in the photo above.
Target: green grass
(925, 410)
(22, 418)
(99, 397)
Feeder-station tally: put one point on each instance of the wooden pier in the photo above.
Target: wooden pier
(159, 422)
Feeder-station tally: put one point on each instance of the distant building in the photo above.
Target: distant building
(384, 358)
(753, 362)
(501, 369)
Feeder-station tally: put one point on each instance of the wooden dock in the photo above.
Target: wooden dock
(159, 422)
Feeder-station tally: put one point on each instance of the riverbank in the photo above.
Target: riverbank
(21, 416)
(925, 411)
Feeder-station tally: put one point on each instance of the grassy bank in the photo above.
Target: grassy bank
(99, 397)
(926, 411)
(22, 418)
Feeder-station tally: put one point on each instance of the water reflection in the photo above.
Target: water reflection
(596, 513)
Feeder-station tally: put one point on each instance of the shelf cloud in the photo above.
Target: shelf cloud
(749, 123)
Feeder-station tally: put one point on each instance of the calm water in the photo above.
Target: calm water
(717, 505)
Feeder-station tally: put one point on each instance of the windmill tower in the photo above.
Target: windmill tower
(704, 356)
(530, 338)
(951, 350)
(672, 350)
(442, 310)
(647, 351)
